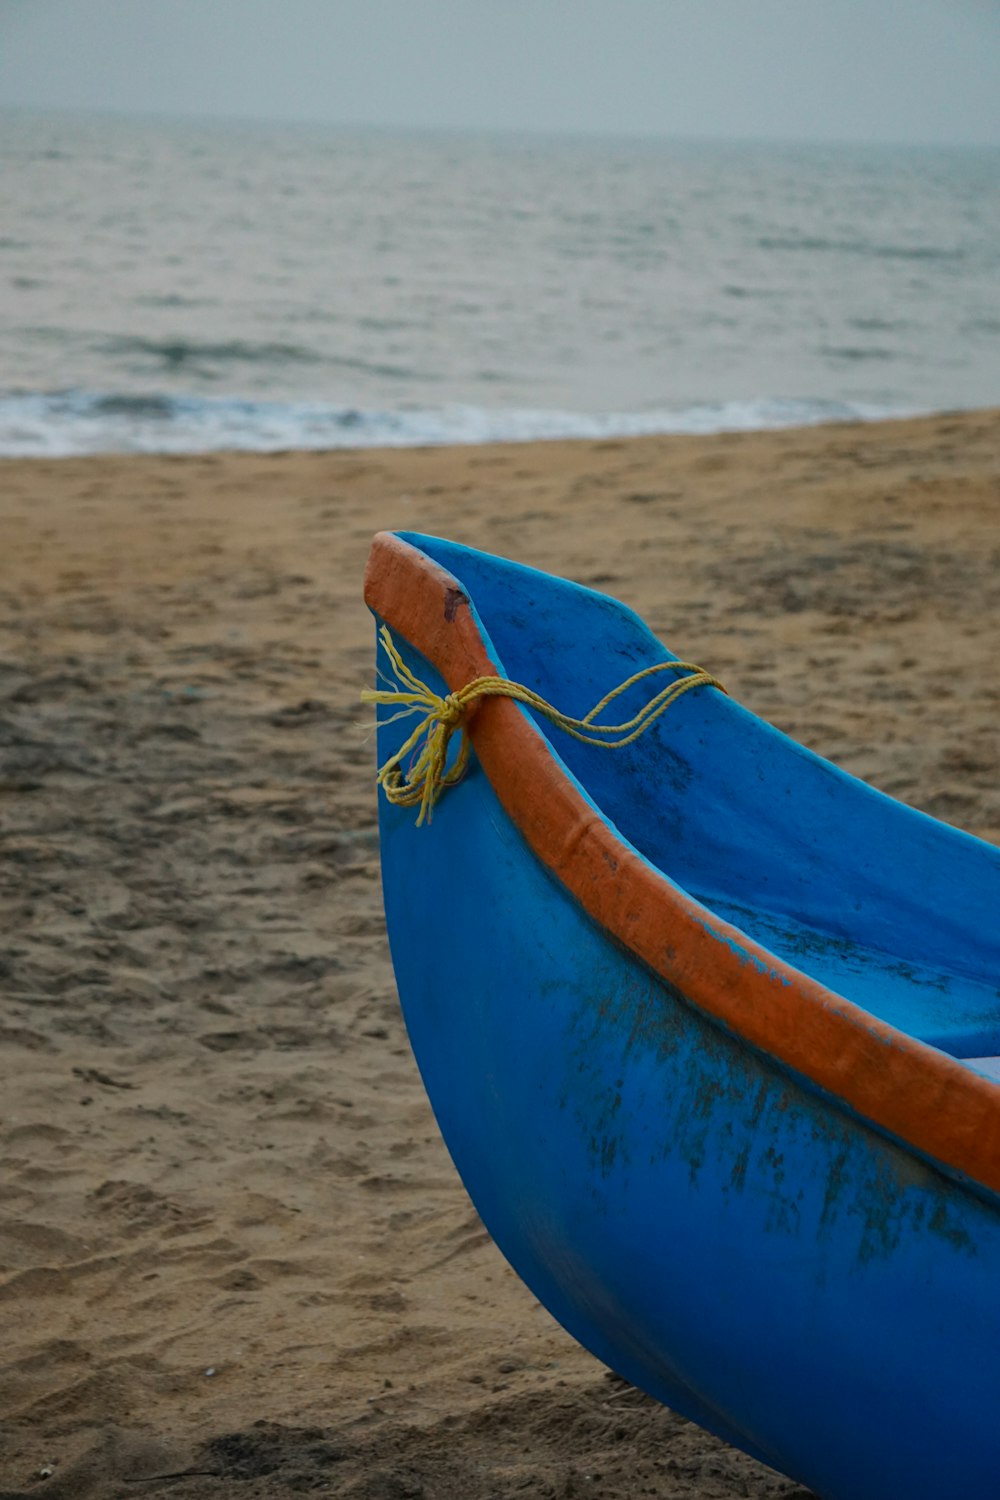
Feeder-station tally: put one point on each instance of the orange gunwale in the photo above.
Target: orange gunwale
(912, 1091)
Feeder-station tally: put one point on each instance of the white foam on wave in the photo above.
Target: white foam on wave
(62, 424)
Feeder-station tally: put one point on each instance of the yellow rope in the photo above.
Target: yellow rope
(426, 778)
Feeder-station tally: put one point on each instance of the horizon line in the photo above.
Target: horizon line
(566, 133)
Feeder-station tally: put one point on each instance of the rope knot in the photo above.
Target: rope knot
(426, 773)
(452, 711)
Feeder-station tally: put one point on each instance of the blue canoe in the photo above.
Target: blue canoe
(712, 1032)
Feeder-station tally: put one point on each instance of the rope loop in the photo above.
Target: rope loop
(426, 775)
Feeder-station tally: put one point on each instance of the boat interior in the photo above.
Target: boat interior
(878, 902)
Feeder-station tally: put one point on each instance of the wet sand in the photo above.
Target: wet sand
(234, 1257)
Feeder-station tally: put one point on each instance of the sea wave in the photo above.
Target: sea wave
(174, 353)
(64, 423)
(861, 247)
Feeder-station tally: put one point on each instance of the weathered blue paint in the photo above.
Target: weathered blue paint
(713, 1227)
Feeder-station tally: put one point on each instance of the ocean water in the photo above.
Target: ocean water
(178, 286)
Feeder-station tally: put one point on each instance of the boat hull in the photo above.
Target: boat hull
(710, 1225)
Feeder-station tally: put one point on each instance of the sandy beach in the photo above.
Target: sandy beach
(235, 1259)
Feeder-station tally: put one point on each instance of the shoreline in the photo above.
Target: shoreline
(245, 424)
(219, 1156)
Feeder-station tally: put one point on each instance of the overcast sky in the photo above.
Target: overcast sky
(852, 70)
